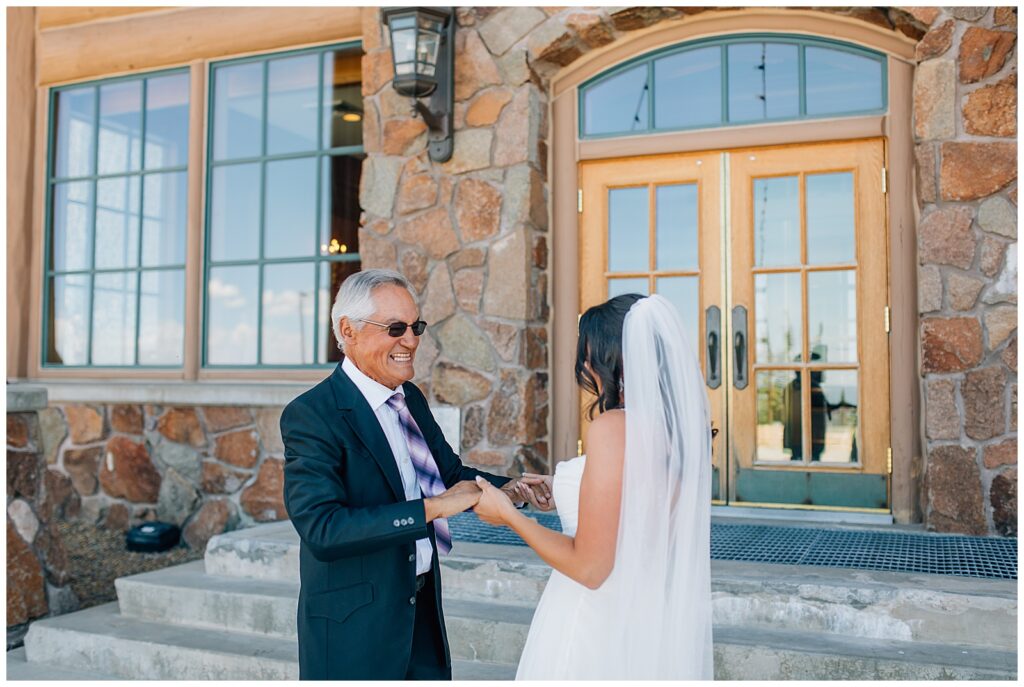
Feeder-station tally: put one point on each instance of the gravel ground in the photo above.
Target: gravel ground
(97, 557)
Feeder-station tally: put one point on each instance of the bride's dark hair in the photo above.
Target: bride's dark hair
(600, 344)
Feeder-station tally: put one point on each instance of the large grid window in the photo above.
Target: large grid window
(114, 293)
(285, 152)
(736, 80)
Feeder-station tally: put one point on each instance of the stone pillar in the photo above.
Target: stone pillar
(965, 114)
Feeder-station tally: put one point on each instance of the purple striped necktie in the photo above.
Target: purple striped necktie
(426, 468)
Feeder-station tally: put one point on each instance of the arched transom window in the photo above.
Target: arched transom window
(736, 80)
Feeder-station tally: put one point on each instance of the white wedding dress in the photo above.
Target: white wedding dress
(651, 618)
(559, 646)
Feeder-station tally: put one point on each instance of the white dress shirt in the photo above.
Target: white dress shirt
(377, 395)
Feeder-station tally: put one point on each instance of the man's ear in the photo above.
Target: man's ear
(345, 330)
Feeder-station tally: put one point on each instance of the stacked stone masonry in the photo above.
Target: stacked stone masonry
(965, 115)
(472, 233)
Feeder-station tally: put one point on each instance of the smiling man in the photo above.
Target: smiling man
(369, 483)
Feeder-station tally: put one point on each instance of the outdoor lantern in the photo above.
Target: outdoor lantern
(423, 47)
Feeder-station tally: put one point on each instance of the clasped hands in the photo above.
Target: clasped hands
(491, 504)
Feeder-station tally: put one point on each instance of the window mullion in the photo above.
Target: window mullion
(318, 223)
(262, 215)
(92, 238)
(142, 215)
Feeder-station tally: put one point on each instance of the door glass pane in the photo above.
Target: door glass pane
(339, 222)
(618, 104)
(332, 274)
(839, 81)
(834, 426)
(75, 112)
(290, 222)
(238, 111)
(113, 318)
(830, 235)
(628, 243)
(117, 222)
(288, 314)
(167, 121)
(776, 221)
(676, 227)
(764, 81)
(120, 147)
(71, 242)
(292, 100)
(69, 323)
(684, 292)
(343, 99)
(162, 318)
(235, 212)
(777, 303)
(164, 201)
(617, 287)
(231, 317)
(779, 430)
(689, 88)
(832, 316)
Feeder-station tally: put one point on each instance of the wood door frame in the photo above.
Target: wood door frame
(566, 150)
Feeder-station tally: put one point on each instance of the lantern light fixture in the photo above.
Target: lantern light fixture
(423, 53)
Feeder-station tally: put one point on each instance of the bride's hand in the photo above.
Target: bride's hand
(537, 490)
(494, 506)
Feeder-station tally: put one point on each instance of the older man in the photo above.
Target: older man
(369, 484)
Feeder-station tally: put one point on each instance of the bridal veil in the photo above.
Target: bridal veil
(662, 574)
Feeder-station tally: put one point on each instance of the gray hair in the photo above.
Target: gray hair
(355, 297)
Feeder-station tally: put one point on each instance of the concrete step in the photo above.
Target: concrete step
(99, 643)
(861, 603)
(186, 595)
(19, 668)
(761, 654)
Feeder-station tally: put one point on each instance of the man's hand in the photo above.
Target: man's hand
(494, 507)
(459, 498)
(537, 490)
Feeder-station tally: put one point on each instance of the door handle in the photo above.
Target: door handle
(739, 346)
(712, 351)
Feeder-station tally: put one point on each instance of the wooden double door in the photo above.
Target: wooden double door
(776, 259)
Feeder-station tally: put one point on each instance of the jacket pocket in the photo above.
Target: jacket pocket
(339, 604)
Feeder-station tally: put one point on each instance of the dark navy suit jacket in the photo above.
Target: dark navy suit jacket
(357, 559)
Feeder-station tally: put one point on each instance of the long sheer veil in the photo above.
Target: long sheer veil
(662, 574)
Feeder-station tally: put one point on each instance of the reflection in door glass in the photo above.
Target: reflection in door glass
(764, 81)
(830, 237)
(684, 292)
(776, 221)
(617, 287)
(834, 422)
(832, 315)
(777, 308)
(779, 428)
(676, 227)
(628, 244)
(617, 104)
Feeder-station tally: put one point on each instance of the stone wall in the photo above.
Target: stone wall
(207, 469)
(965, 126)
(38, 581)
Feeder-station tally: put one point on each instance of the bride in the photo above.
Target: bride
(629, 595)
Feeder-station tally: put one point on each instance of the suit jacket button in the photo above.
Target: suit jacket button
(412, 558)
(396, 523)
(411, 521)
(412, 600)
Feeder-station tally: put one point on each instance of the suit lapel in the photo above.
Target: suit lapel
(366, 427)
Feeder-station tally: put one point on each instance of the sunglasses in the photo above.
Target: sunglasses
(397, 329)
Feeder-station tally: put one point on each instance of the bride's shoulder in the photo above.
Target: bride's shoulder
(607, 426)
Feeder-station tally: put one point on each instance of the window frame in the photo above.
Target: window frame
(50, 182)
(210, 164)
(802, 42)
